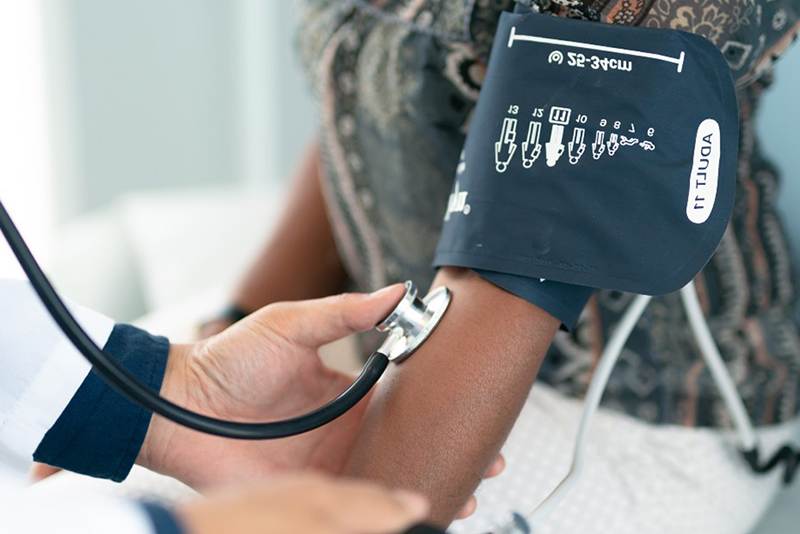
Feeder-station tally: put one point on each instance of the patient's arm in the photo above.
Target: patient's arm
(300, 260)
(438, 419)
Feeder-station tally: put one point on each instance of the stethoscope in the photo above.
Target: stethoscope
(407, 327)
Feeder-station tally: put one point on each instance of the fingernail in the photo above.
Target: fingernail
(413, 502)
(383, 291)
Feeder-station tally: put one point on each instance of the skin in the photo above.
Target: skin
(441, 417)
(274, 276)
(299, 261)
(304, 503)
(265, 367)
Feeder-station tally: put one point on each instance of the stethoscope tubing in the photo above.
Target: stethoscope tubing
(107, 367)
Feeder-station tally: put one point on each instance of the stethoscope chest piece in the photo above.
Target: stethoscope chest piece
(412, 321)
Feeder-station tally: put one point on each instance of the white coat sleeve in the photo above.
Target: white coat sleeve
(40, 370)
(67, 513)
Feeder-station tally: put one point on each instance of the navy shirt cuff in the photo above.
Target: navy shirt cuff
(100, 432)
(163, 521)
(565, 302)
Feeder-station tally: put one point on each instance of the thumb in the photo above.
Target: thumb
(313, 323)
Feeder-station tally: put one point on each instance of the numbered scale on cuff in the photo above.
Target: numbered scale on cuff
(585, 143)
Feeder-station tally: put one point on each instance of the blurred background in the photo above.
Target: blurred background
(137, 138)
(145, 148)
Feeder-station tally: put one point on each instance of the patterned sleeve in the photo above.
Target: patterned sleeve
(752, 34)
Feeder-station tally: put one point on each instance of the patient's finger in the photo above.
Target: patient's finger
(497, 467)
(468, 509)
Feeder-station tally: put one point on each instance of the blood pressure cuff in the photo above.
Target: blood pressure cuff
(598, 155)
(565, 302)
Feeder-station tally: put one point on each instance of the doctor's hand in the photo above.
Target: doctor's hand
(310, 504)
(265, 367)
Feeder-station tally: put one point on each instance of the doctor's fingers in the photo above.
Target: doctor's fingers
(41, 471)
(310, 504)
(312, 323)
(213, 327)
(357, 507)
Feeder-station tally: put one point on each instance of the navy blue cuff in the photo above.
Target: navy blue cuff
(100, 432)
(565, 302)
(162, 519)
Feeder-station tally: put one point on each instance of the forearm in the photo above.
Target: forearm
(300, 260)
(437, 420)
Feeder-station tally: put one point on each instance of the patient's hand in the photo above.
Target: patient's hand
(265, 367)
